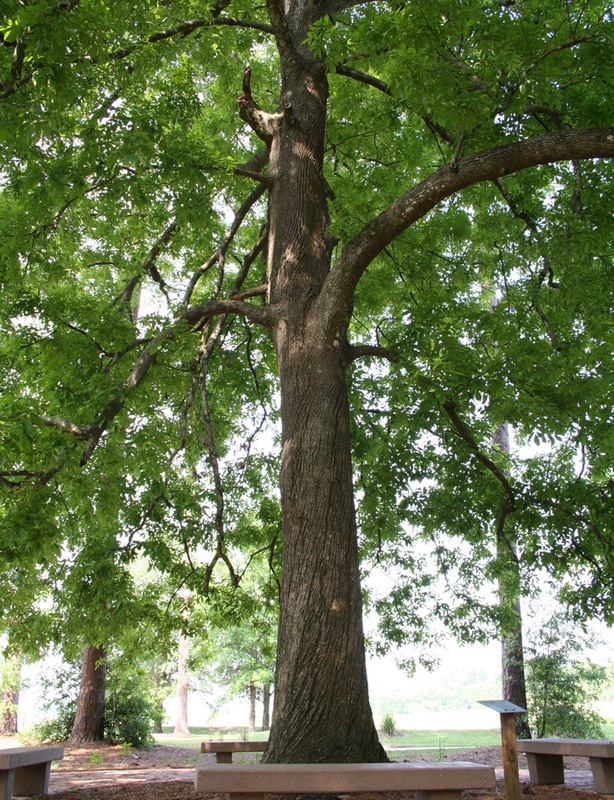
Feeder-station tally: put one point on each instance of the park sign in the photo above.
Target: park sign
(502, 706)
(506, 711)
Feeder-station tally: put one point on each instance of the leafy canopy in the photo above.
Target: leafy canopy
(127, 201)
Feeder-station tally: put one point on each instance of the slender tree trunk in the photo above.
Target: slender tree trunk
(252, 708)
(181, 721)
(157, 724)
(9, 695)
(512, 673)
(512, 651)
(266, 706)
(89, 719)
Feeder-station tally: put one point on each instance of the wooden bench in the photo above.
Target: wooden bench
(25, 770)
(430, 781)
(224, 750)
(545, 759)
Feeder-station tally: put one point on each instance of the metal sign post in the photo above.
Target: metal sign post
(507, 712)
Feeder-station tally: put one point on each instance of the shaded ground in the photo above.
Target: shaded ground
(103, 772)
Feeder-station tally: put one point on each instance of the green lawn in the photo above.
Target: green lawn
(400, 743)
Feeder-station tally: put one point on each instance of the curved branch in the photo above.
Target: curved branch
(183, 29)
(486, 165)
(195, 316)
(188, 27)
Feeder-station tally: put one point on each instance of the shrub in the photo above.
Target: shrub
(128, 715)
(560, 687)
(389, 725)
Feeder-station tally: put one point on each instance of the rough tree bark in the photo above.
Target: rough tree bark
(321, 612)
(512, 673)
(89, 719)
(512, 650)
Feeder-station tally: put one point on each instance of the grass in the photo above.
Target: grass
(412, 740)
(207, 734)
(402, 743)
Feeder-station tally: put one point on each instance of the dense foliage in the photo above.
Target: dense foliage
(563, 683)
(130, 705)
(437, 242)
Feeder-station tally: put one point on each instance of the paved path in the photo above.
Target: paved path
(64, 781)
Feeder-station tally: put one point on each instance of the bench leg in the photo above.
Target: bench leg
(449, 794)
(33, 779)
(545, 768)
(603, 774)
(223, 758)
(7, 777)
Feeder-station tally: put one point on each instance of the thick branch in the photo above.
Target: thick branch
(196, 315)
(365, 350)
(262, 122)
(469, 170)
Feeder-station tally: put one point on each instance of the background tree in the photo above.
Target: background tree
(10, 685)
(562, 683)
(88, 725)
(244, 662)
(116, 187)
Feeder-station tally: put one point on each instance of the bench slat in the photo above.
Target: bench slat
(342, 778)
(224, 750)
(545, 759)
(233, 747)
(14, 757)
(25, 770)
(567, 747)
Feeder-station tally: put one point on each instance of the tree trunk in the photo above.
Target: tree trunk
(512, 673)
(321, 711)
(181, 722)
(9, 695)
(266, 706)
(89, 719)
(512, 651)
(321, 696)
(251, 725)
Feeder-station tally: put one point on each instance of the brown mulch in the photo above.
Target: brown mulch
(106, 772)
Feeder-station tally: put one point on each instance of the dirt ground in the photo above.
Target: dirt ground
(105, 772)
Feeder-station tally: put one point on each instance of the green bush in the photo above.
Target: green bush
(560, 686)
(389, 725)
(54, 729)
(129, 708)
(128, 715)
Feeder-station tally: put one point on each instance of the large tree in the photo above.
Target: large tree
(383, 164)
